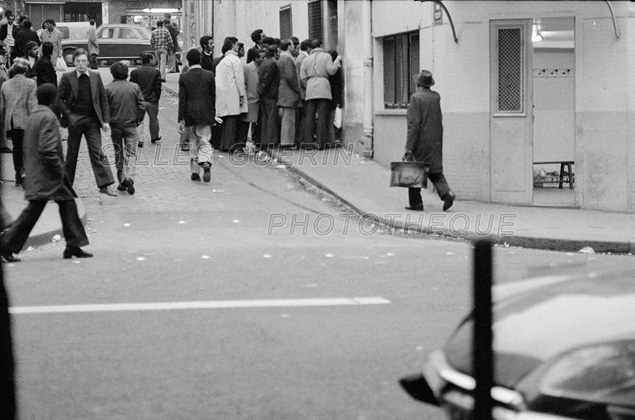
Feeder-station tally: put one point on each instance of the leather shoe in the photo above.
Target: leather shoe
(121, 187)
(8, 257)
(448, 200)
(76, 252)
(108, 191)
(129, 184)
(196, 177)
(415, 208)
(207, 175)
(155, 140)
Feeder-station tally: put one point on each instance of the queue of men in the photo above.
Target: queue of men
(286, 91)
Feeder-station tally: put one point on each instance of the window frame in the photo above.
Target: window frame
(410, 56)
(312, 29)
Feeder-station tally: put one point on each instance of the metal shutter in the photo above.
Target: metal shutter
(401, 69)
(389, 72)
(286, 31)
(316, 30)
(414, 61)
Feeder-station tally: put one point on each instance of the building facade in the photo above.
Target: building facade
(529, 88)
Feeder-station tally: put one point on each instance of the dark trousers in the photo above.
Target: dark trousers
(242, 133)
(152, 108)
(229, 133)
(321, 106)
(439, 182)
(17, 136)
(217, 136)
(93, 61)
(14, 238)
(268, 123)
(89, 127)
(299, 124)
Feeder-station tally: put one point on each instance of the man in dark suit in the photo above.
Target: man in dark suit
(23, 34)
(425, 140)
(148, 78)
(288, 93)
(197, 98)
(82, 99)
(257, 36)
(268, 84)
(45, 180)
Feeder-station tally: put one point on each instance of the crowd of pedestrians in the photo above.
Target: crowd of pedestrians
(33, 109)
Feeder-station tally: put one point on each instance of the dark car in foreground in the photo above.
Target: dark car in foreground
(116, 42)
(564, 348)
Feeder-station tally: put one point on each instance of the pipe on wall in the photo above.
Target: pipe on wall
(617, 32)
(367, 36)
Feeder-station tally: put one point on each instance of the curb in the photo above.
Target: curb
(553, 244)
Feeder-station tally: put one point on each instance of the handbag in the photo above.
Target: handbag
(60, 64)
(337, 119)
(409, 174)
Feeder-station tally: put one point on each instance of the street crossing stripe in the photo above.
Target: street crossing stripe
(213, 304)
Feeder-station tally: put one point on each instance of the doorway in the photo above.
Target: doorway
(553, 44)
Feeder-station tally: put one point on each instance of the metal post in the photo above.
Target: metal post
(483, 359)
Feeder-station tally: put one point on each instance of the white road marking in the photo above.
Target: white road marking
(213, 304)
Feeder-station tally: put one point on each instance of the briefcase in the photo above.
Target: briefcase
(408, 174)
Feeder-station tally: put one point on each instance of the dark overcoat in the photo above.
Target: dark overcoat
(197, 97)
(45, 178)
(425, 129)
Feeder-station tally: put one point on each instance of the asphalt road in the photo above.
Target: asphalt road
(254, 233)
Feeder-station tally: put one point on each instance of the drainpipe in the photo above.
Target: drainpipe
(367, 44)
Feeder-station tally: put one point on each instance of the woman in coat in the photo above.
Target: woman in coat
(425, 140)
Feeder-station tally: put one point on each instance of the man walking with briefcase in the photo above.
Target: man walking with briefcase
(425, 140)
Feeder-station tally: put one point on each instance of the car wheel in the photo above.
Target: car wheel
(68, 56)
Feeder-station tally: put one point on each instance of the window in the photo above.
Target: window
(316, 29)
(401, 64)
(286, 30)
(106, 33)
(510, 71)
(127, 33)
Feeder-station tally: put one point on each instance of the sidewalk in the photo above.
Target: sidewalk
(13, 200)
(362, 185)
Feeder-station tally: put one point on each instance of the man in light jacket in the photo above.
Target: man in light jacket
(314, 75)
(231, 96)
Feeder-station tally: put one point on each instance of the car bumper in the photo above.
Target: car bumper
(453, 391)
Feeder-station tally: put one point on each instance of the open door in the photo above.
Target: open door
(511, 113)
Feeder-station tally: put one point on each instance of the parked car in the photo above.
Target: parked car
(116, 42)
(564, 349)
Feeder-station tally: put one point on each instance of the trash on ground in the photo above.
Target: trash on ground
(56, 238)
(587, 250)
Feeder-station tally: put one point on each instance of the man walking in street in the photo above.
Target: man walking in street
(161, 42)
(149, 80)
(45, 180)
(17, 101)
(127, 110)
(84, 105)
(425, 140)
(288, 93)
(93, 45)
(268, 85)
(231, 97)
(315, 72)
(197, 97)
(173, 65)
(54, 36)
(44, 70)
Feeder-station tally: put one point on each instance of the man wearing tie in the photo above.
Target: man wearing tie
(83, 101)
